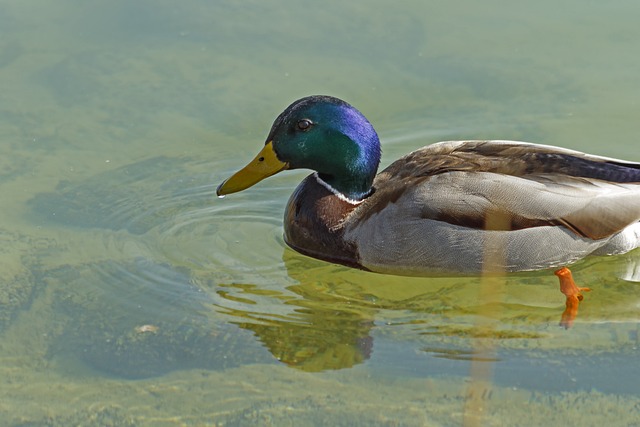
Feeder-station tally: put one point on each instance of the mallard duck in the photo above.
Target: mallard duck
(464, 207)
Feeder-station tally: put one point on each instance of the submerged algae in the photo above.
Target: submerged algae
(121, 323)
(18, 281)
(115, 200)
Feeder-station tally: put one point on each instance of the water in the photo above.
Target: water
(131, 295)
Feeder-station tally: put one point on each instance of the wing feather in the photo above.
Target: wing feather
(467, 183)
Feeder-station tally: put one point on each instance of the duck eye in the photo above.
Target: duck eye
(304, 124)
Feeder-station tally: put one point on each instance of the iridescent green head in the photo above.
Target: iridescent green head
(321, 133)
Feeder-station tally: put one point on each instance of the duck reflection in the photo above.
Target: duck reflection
(322, 344)
(315, 325)
(327, 318)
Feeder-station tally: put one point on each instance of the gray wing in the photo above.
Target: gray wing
(588, 207)
(524, 185)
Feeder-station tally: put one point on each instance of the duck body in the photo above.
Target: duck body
(431, 211)
(456, 207)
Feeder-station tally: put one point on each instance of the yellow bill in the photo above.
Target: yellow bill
(265, 164)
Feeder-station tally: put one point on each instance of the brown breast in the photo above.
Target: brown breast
(313, 224)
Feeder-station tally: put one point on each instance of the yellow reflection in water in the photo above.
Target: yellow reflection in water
(327, 319)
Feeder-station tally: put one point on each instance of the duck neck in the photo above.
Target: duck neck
(353, 192)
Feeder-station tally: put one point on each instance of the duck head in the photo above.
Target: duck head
(320, 133)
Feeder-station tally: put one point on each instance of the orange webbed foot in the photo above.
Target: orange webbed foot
(574, 295)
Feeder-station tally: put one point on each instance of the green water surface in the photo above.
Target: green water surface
(131, 295)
